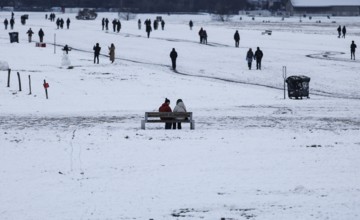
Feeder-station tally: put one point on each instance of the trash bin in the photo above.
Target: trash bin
(23, 19)
(14, 37)
(298, 86)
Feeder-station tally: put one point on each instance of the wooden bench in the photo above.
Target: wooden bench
(268, 32)
(169, 117)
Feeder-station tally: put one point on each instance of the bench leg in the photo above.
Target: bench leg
(192, 125)
(143, 124)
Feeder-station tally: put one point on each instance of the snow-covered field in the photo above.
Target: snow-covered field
(81, 153)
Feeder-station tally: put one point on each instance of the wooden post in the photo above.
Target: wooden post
(18, 74)
(9, 72)
(284, 77)
(54, 43)
(46, 86)
(29, 85)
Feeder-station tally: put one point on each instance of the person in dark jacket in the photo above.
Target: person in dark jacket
(258, 56)
(162, 24)
(249, 58)
(191, 24)
(106, 24)
(148, 29)
(344, 31)
(41, 35)
(66, 49)
(114, 23)
(12, 22)
(68, 23)
(173, 56)
(339, 31)
(30, 33)
(97, 50)
(6, 23)
(237, 38)
(165, 107)
(352, 49)
(139, 24)
(201, 34)
(103, 23)
(118, 26)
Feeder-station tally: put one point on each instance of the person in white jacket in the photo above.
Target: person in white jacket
(180, 107)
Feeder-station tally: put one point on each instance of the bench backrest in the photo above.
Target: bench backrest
(168, 115)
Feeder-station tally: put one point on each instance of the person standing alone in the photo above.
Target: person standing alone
(97, 50)
(173, 56)
(41, 35)
(352, 49)
(30, 33)
(237, 38)
(112, 53)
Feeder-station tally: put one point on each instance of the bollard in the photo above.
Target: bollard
(9, 72)
(18, 74)
(46, 86)
(29, 85)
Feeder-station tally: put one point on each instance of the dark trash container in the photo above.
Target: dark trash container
(14, 37)
(298, 86)
(23, 19)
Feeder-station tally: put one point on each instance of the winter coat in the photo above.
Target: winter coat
(258, 55)
(236, 36)
(353, 47)
(344, 30)
(41, 33)
(249, 56)
(97, 50)
(180, 107)
(112, 53)
(173, 55)
(165, 108)
(30, 32)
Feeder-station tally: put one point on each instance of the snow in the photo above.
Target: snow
(81, 153)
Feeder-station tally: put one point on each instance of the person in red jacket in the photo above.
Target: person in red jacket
(165, 107)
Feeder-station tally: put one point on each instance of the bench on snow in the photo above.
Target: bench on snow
(268, 32)
(169, 117)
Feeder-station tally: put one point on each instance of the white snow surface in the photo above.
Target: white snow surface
(253, 155)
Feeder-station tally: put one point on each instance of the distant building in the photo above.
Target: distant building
(324, 7)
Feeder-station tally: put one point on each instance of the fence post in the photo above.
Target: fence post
(18, 74)
(46, 86)
(29, 85)
(9, 72)
(284, 77)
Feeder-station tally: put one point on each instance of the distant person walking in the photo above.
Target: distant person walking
(180, 107)
(352, 49)
(201, 34)
(6, 23)
(97, 50)
(173, 56)
(103, 23)
(162, 24)
(139, 24)
(258, 56)
(344, 31)
(107, 24)
(112, 53)
(204, 37)
(30, 33)
(41, 35)
(191, 24)
(12, 22)
(68, 23)
(148, 28)
(237, 38)
(339, 31)
(249, 58)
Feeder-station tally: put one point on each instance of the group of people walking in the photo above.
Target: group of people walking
(60, 23)
(341, 30)
(257, 56)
